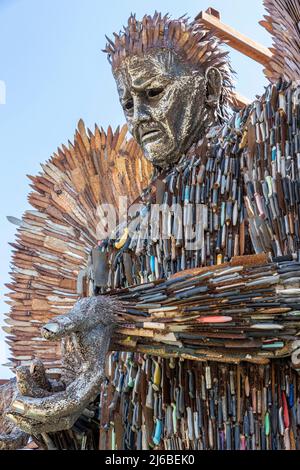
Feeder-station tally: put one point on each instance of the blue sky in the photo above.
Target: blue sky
(55, 74)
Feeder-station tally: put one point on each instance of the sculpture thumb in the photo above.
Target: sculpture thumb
(86, 314)
(59, 327)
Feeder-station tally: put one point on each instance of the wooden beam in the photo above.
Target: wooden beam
(239, 101)
(213, 12)
(236, 40)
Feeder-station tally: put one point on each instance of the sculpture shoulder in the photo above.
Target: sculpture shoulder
(265, 139)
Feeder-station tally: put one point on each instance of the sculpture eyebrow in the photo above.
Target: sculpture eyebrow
(146, 84)
(138, 88)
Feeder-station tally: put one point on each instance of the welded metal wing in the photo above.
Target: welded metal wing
(283, 22)
(54, 239)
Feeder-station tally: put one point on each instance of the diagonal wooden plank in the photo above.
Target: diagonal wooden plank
(235, 39)
(239, 101)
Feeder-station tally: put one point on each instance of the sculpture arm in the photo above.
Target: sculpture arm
(204, 300)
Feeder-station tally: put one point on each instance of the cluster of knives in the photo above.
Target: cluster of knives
(174, 404)
(238, 190)
(231, 312)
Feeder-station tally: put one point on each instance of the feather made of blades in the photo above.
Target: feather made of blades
(54, 239)
(283, 22)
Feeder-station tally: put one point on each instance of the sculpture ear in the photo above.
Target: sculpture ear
(213, 79)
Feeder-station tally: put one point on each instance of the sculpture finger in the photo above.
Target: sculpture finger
(15, 440)
(85, 315)
(32, 382)
(71, 401)
(38, 374)
(32, 427)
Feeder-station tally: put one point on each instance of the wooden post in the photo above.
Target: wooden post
(239, 101)
(213, 12)
(236, 40)
(211, 18)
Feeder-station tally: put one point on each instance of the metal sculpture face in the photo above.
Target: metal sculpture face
(168, 104)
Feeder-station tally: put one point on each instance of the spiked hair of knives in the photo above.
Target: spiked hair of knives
(191, 41)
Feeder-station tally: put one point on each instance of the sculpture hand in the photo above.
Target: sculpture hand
(85, 333)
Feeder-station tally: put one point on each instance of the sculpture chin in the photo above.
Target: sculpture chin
(160, 153)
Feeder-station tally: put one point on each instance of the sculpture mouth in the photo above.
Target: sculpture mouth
(150, 135)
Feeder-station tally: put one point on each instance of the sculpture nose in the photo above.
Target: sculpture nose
(140, 112)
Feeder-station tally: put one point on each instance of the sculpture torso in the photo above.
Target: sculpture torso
(243, 185)
(234, 193)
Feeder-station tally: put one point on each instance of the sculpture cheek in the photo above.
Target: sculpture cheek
(159, 114)
(165, 111)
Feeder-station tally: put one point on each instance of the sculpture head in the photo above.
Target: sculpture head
(173, 82)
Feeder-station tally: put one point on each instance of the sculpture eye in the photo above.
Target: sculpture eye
(154, 92)
(128, 105)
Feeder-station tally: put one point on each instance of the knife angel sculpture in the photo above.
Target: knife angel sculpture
(173, 318)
